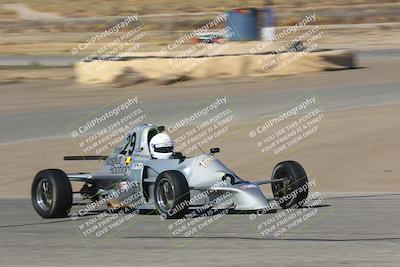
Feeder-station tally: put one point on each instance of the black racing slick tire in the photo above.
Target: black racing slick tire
(51, 194)
(171, 195)
(293, 191)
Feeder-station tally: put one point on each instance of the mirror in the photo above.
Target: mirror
(214, 150)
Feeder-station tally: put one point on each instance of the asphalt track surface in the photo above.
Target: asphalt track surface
(354, 229)
(32, 125)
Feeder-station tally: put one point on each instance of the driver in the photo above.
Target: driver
(161, 146)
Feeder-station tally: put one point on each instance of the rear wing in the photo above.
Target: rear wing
(97, 157)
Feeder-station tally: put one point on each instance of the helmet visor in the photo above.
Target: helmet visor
(164, 148)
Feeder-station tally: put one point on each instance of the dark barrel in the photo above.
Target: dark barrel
(243, 24)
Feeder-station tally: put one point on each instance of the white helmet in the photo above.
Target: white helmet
(161, 146)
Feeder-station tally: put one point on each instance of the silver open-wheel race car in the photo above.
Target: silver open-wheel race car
(167, 185)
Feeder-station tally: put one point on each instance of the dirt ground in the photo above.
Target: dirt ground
(355, 152)
(31, 9)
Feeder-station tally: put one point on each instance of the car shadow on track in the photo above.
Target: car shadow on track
(384, 239)
(141, 212)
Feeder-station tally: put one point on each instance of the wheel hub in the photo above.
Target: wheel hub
(44, 194)
(165, 195)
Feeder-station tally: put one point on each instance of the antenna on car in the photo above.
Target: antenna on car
(200, 149)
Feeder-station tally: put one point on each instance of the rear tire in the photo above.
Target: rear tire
(51, 194)
(171, 195)
(294, 191)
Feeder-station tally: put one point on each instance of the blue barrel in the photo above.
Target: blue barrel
(242, 24)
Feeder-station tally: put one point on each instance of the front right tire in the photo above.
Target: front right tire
(51, 194)
(293, 191)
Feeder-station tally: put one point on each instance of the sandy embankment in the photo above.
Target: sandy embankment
(221, 66)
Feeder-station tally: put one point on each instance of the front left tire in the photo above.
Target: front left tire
(171, 195)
